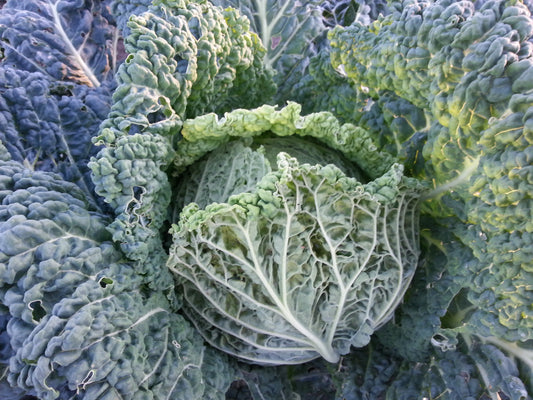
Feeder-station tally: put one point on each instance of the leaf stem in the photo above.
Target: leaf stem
(73, 51)
(323, 348)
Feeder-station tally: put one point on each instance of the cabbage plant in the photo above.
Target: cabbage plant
(226, 199)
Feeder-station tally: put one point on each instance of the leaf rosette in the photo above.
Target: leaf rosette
(293, 260)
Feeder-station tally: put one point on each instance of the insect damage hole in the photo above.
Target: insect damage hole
(86, 381)
(105, 281)
(37, 310)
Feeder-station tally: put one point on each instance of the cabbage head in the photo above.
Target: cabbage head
(295, 237)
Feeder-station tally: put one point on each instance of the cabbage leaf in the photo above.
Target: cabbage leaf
(81, 321)
(66, 40)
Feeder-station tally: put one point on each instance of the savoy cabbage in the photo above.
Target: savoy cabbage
(306, 255)
(264, 199)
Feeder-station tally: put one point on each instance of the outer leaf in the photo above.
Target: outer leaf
(111, 343)
(308, 264)
(451, 375)
(426, 305)
(4, 154)
(366, 374)
(122, 10)
(186, 57)
(13, 393)
(8, 392)
(49, 242)
(295, 382)
(48, 125)
(218, 371)
(289, 30)
(500, 372)
(62, 39)
(346, 12)
(480, 139)
(264, 383)
(325, 89)
(82, 323)
(478, 371)
(130, 175)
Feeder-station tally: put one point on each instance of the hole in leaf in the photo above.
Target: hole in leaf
(86, 381)
(105, 281)
(156, 116)
(459, 311)
(138, 192)
(38, 312)
(134, 129)
(61, 90)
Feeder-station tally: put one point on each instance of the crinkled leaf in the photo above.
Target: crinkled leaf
(309, 263)
(185, 58)
(207, 132)
(101, 344)
(290, 31)
(366, 374)
(8, 392)
(105, 343)
(476, 371)
(241, 164)
(214, 179)
(478, 144)
(82, 323)
(346, 12)
(265, 383)
(122, 10)
(432, 290)
(218, 371)
(49, 244)
(63, 39)
(131, 177)
(11, 393)
(48, 125)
